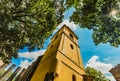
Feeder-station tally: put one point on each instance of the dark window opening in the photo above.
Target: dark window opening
(73, 78)
(49, 76)
(71, 46)
(71, 36)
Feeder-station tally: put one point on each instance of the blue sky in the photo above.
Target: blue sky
(102, 57)
(88, 49)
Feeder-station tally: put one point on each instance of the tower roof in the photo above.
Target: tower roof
(68, 29)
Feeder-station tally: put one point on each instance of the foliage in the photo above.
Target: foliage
(25, 23)
(102, 16)
(8, 75)
(1, 72)
(98, 76)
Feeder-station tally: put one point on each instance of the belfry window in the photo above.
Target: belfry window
(73, 77)
(71, 36)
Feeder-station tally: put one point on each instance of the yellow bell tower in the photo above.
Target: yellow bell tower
(62, 60)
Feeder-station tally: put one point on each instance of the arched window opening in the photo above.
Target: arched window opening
(49, 76)
(71, 46)
(73, 77)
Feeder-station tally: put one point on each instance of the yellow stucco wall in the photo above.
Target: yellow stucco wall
(43, 68)
(61, 58)
(66, 74)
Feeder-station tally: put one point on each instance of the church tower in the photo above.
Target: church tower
(62, 60)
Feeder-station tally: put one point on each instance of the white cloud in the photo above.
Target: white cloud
(95, 63)
(111, 78)
(71, 25)
(29, 55)
(25, 64)
(32, 55)
(100, 66)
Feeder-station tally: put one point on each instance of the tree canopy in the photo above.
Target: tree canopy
(101, 16)
(97, 75)
(30, 22)
(25, 23)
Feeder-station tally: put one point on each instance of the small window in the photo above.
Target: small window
(71, 36)
(73, 78)
(51, 46)
(49, 76)
(71, 46)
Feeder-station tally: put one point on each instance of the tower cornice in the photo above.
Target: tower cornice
(68, 29)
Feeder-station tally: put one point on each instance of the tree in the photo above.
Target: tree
(97, 75)
(25, 23)
(30, 22)
(102, 16)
